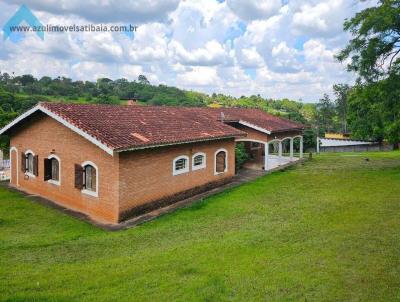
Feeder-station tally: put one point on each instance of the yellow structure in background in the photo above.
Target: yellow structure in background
(337, 135)
(215, 105)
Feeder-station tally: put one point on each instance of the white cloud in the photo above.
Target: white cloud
(324, 18)
(284, 58)
(194, 23)
(250, 58)
(212, 54)
(316, 19)
(254, 9)
(199, 76)
(102, 47)
(315, 50)
(93, 70)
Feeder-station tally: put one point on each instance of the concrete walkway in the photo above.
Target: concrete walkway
(273, 162)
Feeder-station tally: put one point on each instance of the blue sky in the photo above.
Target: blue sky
(275, 48)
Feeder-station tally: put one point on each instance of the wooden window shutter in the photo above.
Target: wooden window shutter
(78, 177)
(220, 162)
(23, 162)
(36, 165)
(47, 169)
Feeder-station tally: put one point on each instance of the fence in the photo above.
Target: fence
(357, 148)
(4, 169)
(4, 164)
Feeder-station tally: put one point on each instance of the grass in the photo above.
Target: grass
(328, 230)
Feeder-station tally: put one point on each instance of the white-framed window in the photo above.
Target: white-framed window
(90, 179)
(220, 161)
(30, 163)
(198, 161)
(53, 170)
(180, 165)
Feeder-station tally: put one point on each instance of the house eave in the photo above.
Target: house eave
(288, 129)
(255, 127)
(61, 120)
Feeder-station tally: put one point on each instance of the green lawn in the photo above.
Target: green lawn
(327, 230)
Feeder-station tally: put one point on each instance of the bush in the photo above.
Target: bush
(240, 155)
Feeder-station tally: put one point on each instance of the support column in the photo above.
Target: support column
(280, 153)
(291, 149)
(317, 144)
(301, 146)
(266, 154)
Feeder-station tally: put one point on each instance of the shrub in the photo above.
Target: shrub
(240, 155)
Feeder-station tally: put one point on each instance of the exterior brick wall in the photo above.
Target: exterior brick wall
(126, 180)
(43, 134)
(147, 175)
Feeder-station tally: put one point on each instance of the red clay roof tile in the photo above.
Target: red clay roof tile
(256, 117)
(131, 127)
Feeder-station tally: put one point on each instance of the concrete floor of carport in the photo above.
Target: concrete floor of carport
(273, 162)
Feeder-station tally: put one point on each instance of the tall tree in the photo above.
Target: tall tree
(375, 48)
(341, 102)
(325, 114)
(374, 53)
(143, 80)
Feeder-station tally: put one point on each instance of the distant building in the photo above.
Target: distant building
(337, 135)
(341, 142)
(214, 105)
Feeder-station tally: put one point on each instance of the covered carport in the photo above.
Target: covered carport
(276, 158)
(271, 154)
(267, 134)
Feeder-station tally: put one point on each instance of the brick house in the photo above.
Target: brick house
(113, 162)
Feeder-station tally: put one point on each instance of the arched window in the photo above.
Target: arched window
(52, 169)
(55, 169)
(180, 165)
(87, 178)
(221, 161)
(198, 161)
(90, 178)
(29, 163)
